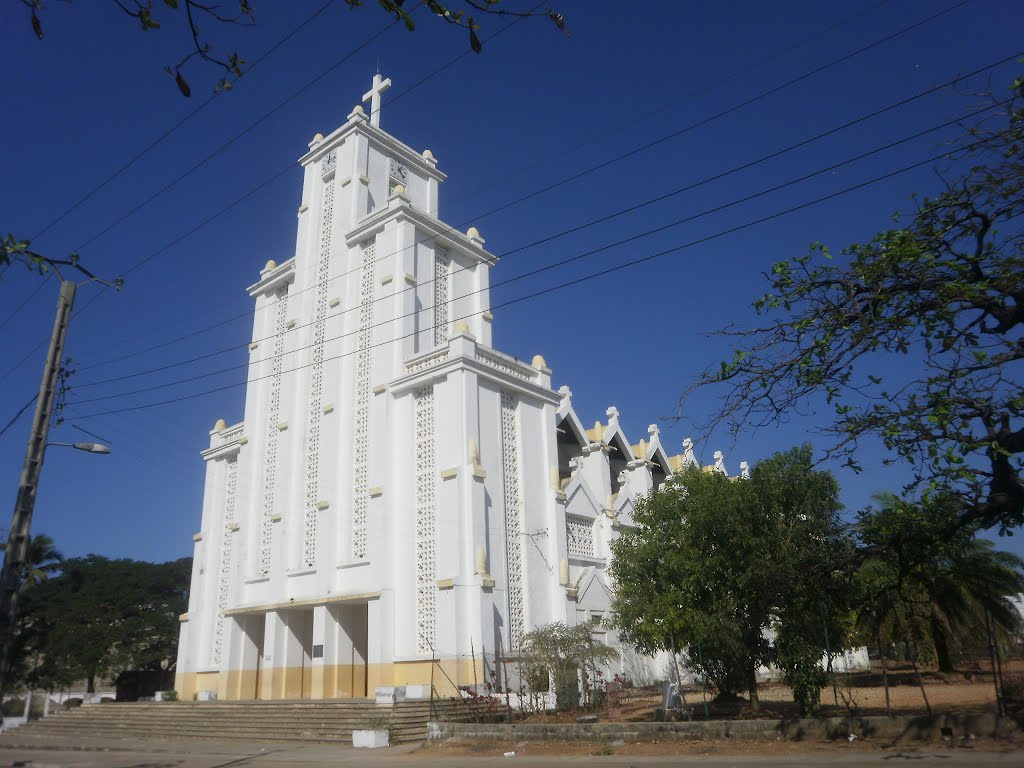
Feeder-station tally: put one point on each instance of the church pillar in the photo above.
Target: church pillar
(482, 303)
(380, 641)
(361, 203)
(549, 513)
(401, 309)
(182, 679)
(271, 679)
(320, 673)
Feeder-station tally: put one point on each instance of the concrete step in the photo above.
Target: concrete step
(298, 720)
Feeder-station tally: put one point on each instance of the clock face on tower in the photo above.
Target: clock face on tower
(399, 172)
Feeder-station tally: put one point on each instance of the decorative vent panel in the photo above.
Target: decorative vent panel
(361, 427)
(579, 535)
(224, 578)
(442, 267)
(316, 384)
(430, 361)
(273, 417)
(426, 521)
(504, 366)
(513, 517)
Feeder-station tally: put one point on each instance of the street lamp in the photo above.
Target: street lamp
(90, 447)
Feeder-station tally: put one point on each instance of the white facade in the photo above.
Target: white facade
(399, 492)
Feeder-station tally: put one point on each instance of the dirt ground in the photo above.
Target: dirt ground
(777, 747)
(860, 694)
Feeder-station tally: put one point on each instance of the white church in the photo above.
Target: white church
(402, 499)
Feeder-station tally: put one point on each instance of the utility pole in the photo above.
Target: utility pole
(16, 554)
(17, 543)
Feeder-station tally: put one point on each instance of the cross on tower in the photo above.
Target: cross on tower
(373, 96)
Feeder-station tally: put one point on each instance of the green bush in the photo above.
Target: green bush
(13, 707)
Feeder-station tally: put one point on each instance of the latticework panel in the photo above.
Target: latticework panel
(361, 427)
(513, 517)
(224, 575)
(579, 535)
(426, 521)
(316, 384)
(273, 416)
(504, 366)
(442, 267)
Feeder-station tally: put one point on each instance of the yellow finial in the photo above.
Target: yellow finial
(221, 425)
(538, 362)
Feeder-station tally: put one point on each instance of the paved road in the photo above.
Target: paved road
(235, 754)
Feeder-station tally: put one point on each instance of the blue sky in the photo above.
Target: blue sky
(532, 110)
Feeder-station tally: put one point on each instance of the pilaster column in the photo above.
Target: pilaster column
(271, 679)
(319, 684)
(380, 641)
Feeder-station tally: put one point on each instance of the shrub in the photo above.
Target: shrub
(1013, 696)
(13, 707)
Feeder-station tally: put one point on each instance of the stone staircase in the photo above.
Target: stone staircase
(309, 721)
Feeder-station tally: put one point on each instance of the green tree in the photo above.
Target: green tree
(926, 579)
(941, 293)
(101, 616)
(43, 560)
(562, 652)
(714, 563)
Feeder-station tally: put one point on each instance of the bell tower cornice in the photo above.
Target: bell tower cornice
(378, 139)
(399, 209)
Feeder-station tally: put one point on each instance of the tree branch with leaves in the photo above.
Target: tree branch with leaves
(915, 337)
(232, 64)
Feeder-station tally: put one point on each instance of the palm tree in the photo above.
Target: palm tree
(42, 560)
(928, 580)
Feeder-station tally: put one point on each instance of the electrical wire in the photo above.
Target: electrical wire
(610, 216)
(258, 121)
(17, 416)
(159, 139)
(42, 284)
(541, 292)
(455, 228)
(611, 128)
(782, 50)
(605, 164)
(259, 186)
